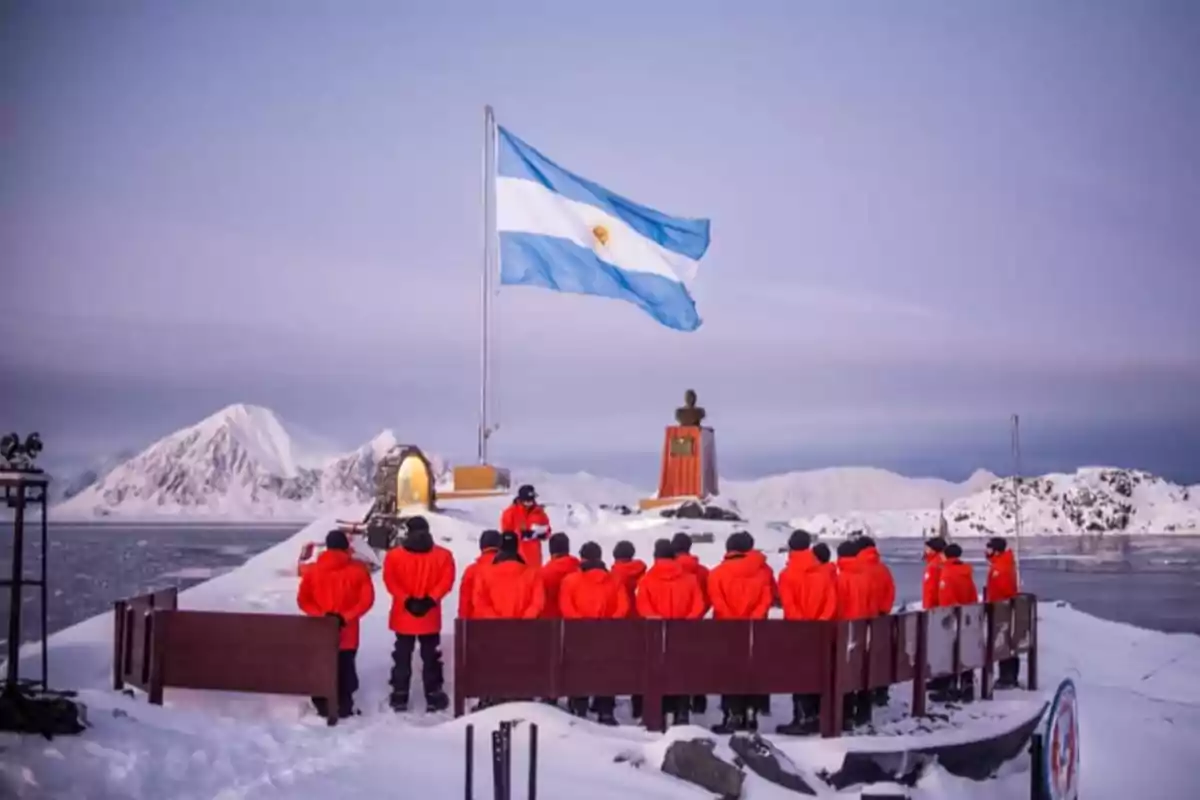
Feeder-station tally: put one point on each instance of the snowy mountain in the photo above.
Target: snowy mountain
(240, 463)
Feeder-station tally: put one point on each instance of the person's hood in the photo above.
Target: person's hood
(1002, 560)
(743, 565)
(418, 542)
(689, 561)
(509, 564)
(507, 558)
(667, 569)
(593, 566)
(869, 556)
(803, 560)
(333, 560)
(932, 556)
(565, 562)
(849, 563)
(633, 566)
(487, 556)
(596, 576)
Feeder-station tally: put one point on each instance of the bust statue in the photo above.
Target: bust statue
(690, 415)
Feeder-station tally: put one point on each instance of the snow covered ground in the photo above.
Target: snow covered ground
(1140, 708)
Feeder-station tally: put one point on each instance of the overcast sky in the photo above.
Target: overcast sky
(925, 218)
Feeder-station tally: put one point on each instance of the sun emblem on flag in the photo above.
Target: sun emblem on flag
(600, 234)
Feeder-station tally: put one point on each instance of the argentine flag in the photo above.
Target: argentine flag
(568, 234)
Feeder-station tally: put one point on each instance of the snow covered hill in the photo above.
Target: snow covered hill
(238, 464)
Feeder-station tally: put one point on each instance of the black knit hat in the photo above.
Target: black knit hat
(664, 549)
(953, 551)
(864, 542)
(337, 540)
(997, 544)
(489, 540)
(416, 525)
(559, 544)
(820, 551)
(800, 540)
(623, 550)
(591, 552)
(845, 549)
(509, 543)
(682, 542)
(937, 544)
(739, 542)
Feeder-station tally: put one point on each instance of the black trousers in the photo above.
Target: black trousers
(431, 663)
(601, 705)
(1010, 669)
(347, 679)
(808, 706)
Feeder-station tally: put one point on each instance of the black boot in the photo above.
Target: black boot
(398, 702)
(732, 723)
(700, 704)
(578, 706)
(321, 705)
(682, 715)
(436, 701)
(799, 724)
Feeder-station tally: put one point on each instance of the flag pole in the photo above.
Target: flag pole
(489, 174)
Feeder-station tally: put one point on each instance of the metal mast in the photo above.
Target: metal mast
(1016, 481)
(489, 239)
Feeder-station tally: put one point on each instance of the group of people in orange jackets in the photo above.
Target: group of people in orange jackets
(511, 580)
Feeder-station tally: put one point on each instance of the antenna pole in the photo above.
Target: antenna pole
(1016, 453)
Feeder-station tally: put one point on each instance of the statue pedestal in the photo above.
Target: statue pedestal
(689, 466)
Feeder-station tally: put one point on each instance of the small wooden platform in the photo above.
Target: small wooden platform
(650, 503)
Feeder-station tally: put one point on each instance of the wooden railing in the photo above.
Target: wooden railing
(517, 659)
(158, 646)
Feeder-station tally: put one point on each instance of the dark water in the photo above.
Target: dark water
(1148, 581)
(91, 565)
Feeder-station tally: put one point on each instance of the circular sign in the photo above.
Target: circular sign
(1060, 745)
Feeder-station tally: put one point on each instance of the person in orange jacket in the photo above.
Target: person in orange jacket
(591, 592)
(529, 522)
(856, 600)
(739, 588)
(418, 574)
(1002, 585)
(682, 542)
(340, 587)
(933, 572)
(489, 545)
(560, 565)
(668, 591)
(509, 589)
(883, 589)
(629, 570)
(762, 703)
(957, 588)
(807, 591)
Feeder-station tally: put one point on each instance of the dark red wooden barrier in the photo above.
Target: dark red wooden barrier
(513, 659)
(157, 646)
(132, 635)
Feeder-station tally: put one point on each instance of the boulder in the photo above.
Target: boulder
(769, 762)
(696, 762)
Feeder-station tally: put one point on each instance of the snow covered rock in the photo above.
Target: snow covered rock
(696, 761)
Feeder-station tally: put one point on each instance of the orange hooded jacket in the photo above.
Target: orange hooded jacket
(527, 522)
(630, 573)
(508, 589)
(668, 591)
(739, 588)
(466, 588)
(693, 565)
(593, 593)
(883, 585)
(553, 573)
(856, 597)
(957, 586)
(931, 579)
(418, 568)
(1002, 577)
(808, 588)
(337, 584)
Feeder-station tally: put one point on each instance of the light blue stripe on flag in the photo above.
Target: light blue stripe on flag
(568, 234)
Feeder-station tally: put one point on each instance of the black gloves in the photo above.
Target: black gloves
(419, 606)
(528, 535)
(341, 621)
